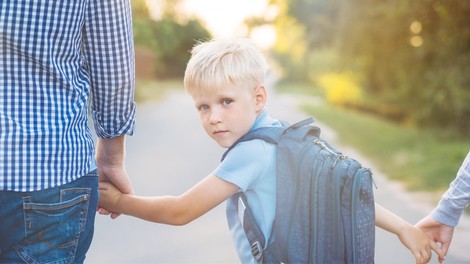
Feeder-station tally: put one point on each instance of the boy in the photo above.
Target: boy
(225, 78)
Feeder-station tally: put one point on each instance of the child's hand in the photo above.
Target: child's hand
(419, 244)
(109, 197)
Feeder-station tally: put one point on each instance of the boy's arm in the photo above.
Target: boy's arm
(172, 210)
(410, 236)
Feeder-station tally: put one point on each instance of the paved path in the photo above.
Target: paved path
(170, 152)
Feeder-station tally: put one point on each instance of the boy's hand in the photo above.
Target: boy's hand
(419, 244)
(109, 197)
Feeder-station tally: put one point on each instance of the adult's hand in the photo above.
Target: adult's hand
(438, 232)
(110, 155)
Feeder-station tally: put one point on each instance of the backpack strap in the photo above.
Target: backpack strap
(252, 231)
(269, 134)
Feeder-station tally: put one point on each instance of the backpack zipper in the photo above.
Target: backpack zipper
(323, 145)
(313, 230)
(339, 157)
(337, 202)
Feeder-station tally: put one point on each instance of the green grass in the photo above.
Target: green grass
(421, 159)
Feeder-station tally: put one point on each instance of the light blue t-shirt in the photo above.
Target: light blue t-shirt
(251, 165)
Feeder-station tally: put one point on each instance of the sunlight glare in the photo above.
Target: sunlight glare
(416, 41)
(264, 36)
(225, 18)
(416, 27)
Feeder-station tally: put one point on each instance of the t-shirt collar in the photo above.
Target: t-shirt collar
(262, 120)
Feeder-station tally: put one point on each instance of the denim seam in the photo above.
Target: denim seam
(83, 216)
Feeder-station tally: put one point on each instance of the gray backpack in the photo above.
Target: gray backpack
(324, 202)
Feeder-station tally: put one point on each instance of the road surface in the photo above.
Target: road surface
(170, 152)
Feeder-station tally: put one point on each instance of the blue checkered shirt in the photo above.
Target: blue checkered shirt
(58, 59)
(456, 198)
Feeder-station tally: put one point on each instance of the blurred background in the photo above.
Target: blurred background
(390, 77)
(399, 68)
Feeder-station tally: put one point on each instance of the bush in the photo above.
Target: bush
(341, 89)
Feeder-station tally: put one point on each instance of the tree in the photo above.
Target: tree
(414, 55)
(174, 43)
(169, 39)
(410, 55)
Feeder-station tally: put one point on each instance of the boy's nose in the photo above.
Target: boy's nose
(215, 117)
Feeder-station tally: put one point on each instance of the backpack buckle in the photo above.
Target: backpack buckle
(257, 250)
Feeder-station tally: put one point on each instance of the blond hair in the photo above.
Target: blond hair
(217, 63)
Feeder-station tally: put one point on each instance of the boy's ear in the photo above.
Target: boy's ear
(260, 97)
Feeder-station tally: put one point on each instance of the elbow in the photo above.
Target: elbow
(182, 217)
(181, 221)
(179, 215)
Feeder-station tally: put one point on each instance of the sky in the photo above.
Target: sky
(224, 18)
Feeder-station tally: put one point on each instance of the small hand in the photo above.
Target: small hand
(109, 197)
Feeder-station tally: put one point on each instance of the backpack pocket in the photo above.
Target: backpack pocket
(363, 217)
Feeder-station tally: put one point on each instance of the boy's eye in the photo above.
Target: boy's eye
(203, 107)
(227, 101)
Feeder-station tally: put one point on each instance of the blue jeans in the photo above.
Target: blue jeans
(49, 226)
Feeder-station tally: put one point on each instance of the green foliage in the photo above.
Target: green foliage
(143, 33)
(174, 43)
(291, 46)
(415, 54)
(421, 158)
(170, 39)
(412, 55)
(341, 89)
(322, 61)
(140, 8)
(320, 20)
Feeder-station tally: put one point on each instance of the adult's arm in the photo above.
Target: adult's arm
(456, 198)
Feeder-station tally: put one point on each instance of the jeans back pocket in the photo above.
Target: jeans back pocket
(53, 229)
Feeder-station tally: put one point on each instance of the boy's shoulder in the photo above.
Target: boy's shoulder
(246, 162)
(255, 150)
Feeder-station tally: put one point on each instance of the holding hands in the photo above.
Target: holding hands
(419, 244)
(438, 232)
(109, 197)
(110, 163)
(410, 236)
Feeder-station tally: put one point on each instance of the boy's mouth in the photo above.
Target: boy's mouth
(219, 132)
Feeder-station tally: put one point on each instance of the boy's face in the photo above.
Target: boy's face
(229, 112)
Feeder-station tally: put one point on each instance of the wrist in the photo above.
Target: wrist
(122, 203)
(110, 152)
(402, 228)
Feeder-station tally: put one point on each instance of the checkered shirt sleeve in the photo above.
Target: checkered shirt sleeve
(456, 198)
(55, 58)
